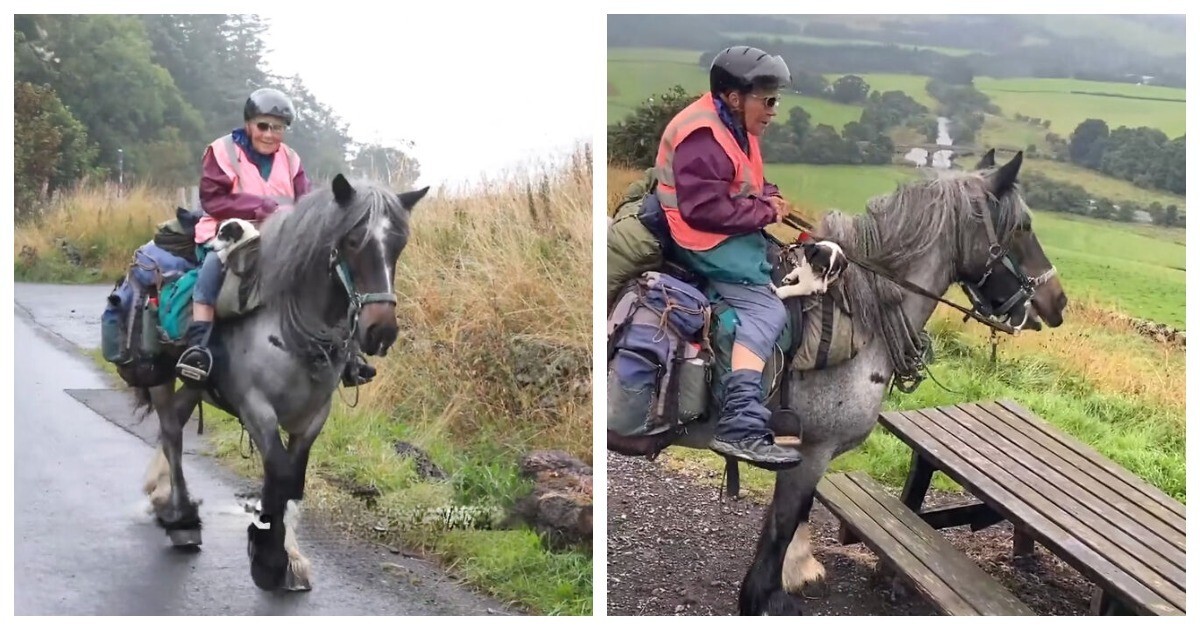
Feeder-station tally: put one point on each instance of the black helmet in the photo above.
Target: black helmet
(270, 102)
(743, 68)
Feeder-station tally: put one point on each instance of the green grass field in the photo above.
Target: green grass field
(635, 74)
(1007, 133)
(1103, 261)
(821, 187)
(1054, 99)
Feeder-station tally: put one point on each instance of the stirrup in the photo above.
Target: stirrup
(193, 374)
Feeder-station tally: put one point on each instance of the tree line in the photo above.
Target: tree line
(1141, 155)
(142, 95)
(1043, 192)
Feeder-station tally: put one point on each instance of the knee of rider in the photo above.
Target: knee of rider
(775, 316)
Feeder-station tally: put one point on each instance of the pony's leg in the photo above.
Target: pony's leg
(267, 534)
(157, 485)
(778, 568)
(299, 576)
(178, 513)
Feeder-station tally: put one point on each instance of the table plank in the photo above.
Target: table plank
(959, 572)
(1061, 541)
(1069, 508)
(1081, 471)
(873, 535)
(1132, 481)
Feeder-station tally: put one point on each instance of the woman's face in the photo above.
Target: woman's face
(266, 132)
(757, 109)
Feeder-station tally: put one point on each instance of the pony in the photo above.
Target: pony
(967, 227)
(326, 272)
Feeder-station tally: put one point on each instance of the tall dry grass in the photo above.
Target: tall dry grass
(89, 233)
(495, 309)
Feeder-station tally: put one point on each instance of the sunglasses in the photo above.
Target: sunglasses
(264, 127)
(769, 101)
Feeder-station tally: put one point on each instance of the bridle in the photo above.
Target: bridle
(1026, 285)
(339, 267)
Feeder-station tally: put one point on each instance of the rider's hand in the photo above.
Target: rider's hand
(781, 207)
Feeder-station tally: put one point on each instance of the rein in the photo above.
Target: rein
(798, 223)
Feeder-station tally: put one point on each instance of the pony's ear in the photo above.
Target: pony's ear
(410, 199)
(987, 161)
(343, 192)
(1002, 181)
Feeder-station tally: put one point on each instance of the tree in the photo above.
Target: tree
(808, 83)
(850, 89)
(393, 166)
(633, 142)
(50, 147)
(101, 69)
(1087, 142)
(318, 135)
(1170, 216)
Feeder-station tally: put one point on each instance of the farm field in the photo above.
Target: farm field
(1059, 101)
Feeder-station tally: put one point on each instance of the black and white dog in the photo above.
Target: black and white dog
(231, 234)
(816, 266)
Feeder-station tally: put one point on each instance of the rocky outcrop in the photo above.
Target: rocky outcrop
(559, 507)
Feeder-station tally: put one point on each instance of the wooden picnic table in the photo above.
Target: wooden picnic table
(1123, 534)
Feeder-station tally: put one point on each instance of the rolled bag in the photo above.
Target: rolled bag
(633, 249)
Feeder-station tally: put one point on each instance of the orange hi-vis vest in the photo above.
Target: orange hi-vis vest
(231, 158)
(747, 169)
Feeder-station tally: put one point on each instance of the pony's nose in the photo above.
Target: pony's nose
(1060, 303)
(379, 338)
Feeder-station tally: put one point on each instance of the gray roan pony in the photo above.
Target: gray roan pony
(957, 227)
(278, 367)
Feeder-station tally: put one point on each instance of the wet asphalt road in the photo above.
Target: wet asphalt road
(84, 542)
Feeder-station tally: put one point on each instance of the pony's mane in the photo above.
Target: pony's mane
(295, 265)
(903, 227)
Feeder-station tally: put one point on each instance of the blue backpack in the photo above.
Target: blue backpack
(658, 356)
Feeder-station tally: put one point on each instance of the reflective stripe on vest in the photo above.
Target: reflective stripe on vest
(279, 186)
(747, 169)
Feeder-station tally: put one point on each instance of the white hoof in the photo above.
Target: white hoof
(800, 568)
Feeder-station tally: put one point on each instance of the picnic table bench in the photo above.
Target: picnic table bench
(1120, 532)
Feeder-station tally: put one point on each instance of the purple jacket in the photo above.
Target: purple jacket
(702, 175)
(221, 204)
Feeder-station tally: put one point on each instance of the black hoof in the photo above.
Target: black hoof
(781, 604)
(778, 604)
(185, 538)
(268, 560)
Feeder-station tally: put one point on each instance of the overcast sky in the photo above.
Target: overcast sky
(474, 93)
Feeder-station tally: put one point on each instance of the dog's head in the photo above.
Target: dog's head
(826, 258)
(232, 232)
(817, 265)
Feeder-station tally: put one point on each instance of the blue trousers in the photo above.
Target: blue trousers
(208, 283)
(761, 315)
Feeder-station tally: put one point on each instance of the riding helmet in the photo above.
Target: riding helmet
(744, 68)
(270, 102)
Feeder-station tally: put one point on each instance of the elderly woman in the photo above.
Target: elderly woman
(716, 201)
(248, 174)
